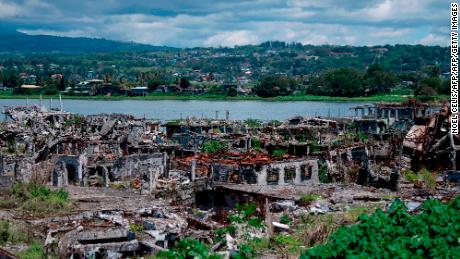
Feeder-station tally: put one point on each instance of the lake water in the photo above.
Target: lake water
(175, 109)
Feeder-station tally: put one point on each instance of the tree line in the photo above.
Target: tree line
(350, 82)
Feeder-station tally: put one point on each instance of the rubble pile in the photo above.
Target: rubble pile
(138, 186)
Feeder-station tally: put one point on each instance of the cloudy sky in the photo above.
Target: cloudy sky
(190, 23)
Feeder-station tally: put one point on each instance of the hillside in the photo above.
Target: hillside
(20, 42)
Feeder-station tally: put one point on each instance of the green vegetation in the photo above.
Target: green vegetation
(38, 200)
(251, 248)
(256, 144)
(409, 175)
(424, 176)
(279, 152)
(396, 233)
(138, 228)
(315, 229)
(209, 97)
(272, 86)
(323, 174)
(428, 179)
(76, 120)
(285, 219)
(387, 73)
(34, 251)
(286, 244)
(14, 233)
(307, 198)
(213, 147)
(188, 248)
(253, 123)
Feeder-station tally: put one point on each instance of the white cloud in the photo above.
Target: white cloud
(229, 23)
(435, 39)
(8, 10)
(232, 38)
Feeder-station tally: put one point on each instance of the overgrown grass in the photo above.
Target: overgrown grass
(286, 244)
(34, 251)
(138, 228)
(307, 198)
(424, 176)
(397, 97)
(409, 175)
(252, 248)
(315, 229)
(13, 233)
(428, 179)
(36, 199)
(188, 248)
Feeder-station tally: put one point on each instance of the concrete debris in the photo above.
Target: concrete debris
(137, 186)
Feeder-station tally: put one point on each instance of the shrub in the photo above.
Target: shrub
(428, 179)
(285, 219)
(409, 175)
(395, 233)
(279, 152)
(5, 231)
(213, 146)
(253, 123)
(188, 248)
(286, 243)
(256, 144)
(251, 248)
(307, 198)
(314, 146)
(323, 174)
(136, 227)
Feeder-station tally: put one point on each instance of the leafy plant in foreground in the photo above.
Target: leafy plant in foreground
(397, 234)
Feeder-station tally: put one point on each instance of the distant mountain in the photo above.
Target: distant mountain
(13, 41)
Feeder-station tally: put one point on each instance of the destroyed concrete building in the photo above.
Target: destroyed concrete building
(124, 171)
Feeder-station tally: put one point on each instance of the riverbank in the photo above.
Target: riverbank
(376, 98)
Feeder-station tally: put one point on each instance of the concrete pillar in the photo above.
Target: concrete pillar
(314, 172)
(297, 179)
(192, 170)
(281, 175)
(262, 176)
(151, 181)
(165, 171)
(105, 174)
(80, 173)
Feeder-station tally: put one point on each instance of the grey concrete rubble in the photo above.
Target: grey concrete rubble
(137, 186)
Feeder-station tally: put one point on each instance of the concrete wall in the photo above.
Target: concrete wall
(280, 167)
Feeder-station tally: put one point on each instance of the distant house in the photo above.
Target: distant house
(139, 91)
(30, 87)
(57, 76)
(192, 91)
(89, 87)
(27, 89)
(162, 89)
(108, 89)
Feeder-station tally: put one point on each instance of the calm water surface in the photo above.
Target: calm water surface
(175, 109)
